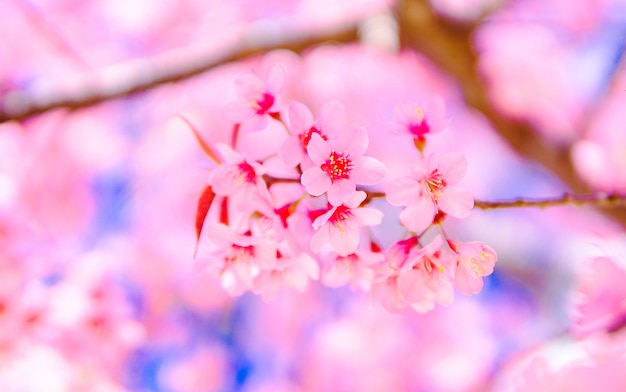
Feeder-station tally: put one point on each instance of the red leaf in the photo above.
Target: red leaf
(204, 203)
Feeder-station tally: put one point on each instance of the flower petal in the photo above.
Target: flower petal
(315, 181)
(453, 166)
(457, 202)
(367, 171)
(340, 191)
(318, 149)
(403, 191)
(418, 216)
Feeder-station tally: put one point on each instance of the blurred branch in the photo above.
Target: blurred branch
(449, 46)
(603, 200)
(146, 75)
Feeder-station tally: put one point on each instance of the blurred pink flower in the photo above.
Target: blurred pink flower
(339, 226)
(236, 258)
(425, 279)
(429, 189)
(600, 300)
(258, 99)
(339, 166)
(417, 121)
(293, 271)
(356, 268)
(473, 261)
(331, 119)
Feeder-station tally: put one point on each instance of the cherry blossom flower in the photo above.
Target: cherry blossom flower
(429, 189)
(357, 268)
(424, 280)
(330, 120)
(600, 301)
(339, 226)
(258, 99)
(236, 258)
(418, 121)
(294, 271)
(241, 179)
(473, 261)
(340, 165)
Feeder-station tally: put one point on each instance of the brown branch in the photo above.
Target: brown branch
(603, 200)
(449, 46)
(146, 75)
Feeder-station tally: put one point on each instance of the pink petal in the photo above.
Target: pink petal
(339, 191)
(403, 191)
(368, 216)
(321, 238)
(318, 149)
(255, 123)
(237, 111)
(322, 219)
(228, 154)
(367, 171)
(453, 166)
(355, 199)
(332, 117)
(291, 152)
(344, 236)
(275, 80)
(466, 282)
(354, 143)
(418, 216)
(300, 118)
(220, 235)
(456, 202)
(315, 181)
(248, 86)
(223, 179)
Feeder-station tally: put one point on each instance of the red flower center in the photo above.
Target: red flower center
(265, 103)
(419, 129)
(246, 172)
(305, 137)
(337, 166)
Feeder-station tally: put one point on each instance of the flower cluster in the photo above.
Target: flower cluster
(306, 211)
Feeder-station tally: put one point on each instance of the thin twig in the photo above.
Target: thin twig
(602, 199)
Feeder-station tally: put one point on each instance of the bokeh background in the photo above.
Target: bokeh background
(97, 205)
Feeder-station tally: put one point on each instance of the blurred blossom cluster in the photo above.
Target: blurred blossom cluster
(306, 222)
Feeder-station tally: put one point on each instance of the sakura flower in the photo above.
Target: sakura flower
(357, 268)
(339, 165)
(330, 120)
(240, 179)
(600, 302)
(429, 189)
(418, 121)
(424, 280)
(473, 261)
(236, 258)
(339, 226)
(294, 271)
(258, 99)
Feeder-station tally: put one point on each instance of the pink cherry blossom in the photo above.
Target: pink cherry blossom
(429, 189)
(294, 271)
(241, 179)
(473, 261)
(235, 258)
(600, 302)
(339, 165)
(331, 119)
(258, 99)
(339, 226)
(357, 268)
(419, 121)
(424, 280)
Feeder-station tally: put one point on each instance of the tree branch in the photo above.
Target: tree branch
(146, 75)
(602, 200)
(449, 46)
